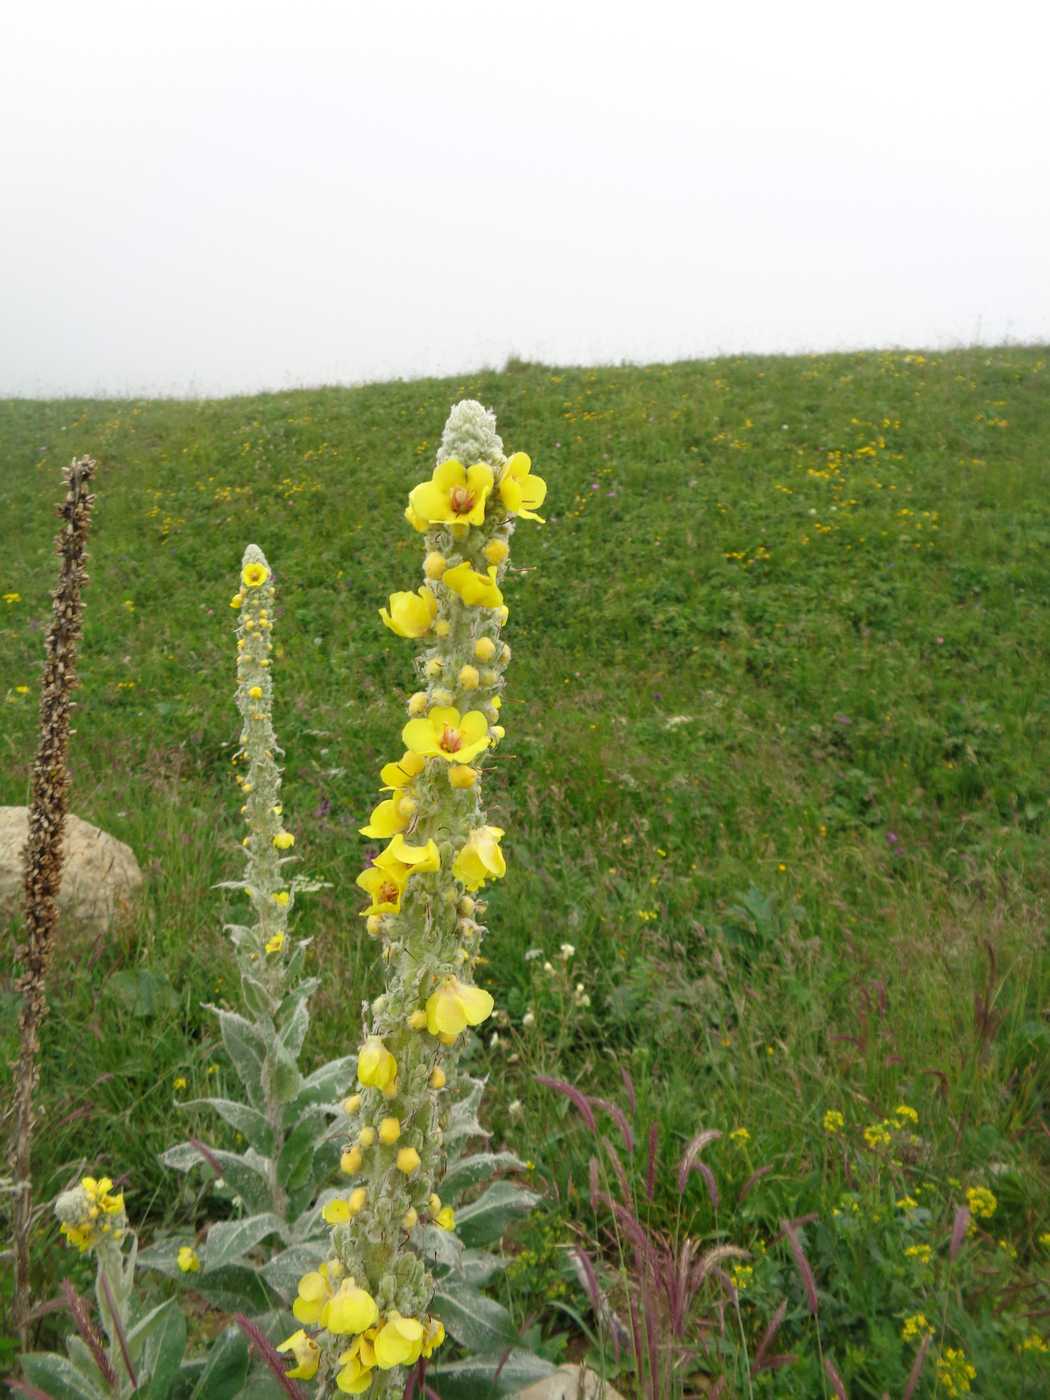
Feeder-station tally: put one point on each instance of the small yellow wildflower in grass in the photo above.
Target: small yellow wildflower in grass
(188, 1260)
(1034, 1342)
(954, 1372)
(21, 690)
(906, 1112)
(916, 1326)
(907, 1203)
(12, 597)
(833, 1121)
(877, 1135)
(981, 1202)
(180, 1082)
(740, 1136)
(1044, 1239)
(741, 1276)
(307, 1356)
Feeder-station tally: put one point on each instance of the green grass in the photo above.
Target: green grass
(775, 765)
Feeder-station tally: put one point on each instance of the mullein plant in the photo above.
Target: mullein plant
(285, 1120)
(367, 1312)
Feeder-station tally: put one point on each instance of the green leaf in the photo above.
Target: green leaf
(478, 1323)
(256, 998)
(230, 1240)
(484, 1220)
(284, 1270)
(59, 1377)
(235, 1288)
(325, 1085)
(439, 1246)
(475, 1378)
(245, 1174)
(463, 1118)
(226, 1368)
(468, 1171)
(142, 993)
(294, 1166)
(285, 1080)
(162, 1351)
(247, 1052)
(293, 1032)
(248, 1121)
(477, 1267)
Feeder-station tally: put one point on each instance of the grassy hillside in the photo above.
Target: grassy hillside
(776, 768)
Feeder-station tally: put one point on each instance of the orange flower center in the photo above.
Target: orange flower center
(461, 499)
(450, 740)
(388, 893)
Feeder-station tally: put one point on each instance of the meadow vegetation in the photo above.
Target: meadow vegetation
(774, 782)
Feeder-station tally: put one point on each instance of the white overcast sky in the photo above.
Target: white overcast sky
(226, 196)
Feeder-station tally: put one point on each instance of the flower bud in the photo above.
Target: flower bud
(255, 693)
(484, 648)
(438, 1078)
(389, 1131)
(466, 906)
(417, 703)
(435, 564)
(496, 551)
(373, 925)
(489, 677)
(410, 1219)
(418, 1019)
(433, 668)
(468, 678)
(443, 696)
(366, 1137)
(441, 628)
(408, 1160)
(461, 775)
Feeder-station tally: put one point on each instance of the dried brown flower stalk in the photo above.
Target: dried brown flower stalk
(43, 850)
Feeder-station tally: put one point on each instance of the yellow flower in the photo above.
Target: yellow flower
(920, 1252)
(375, 1064)
(418, 859)
(180, 1081)
(315, 1290)
(390, 817)
(445, 1219)
(411, 614)
(398, 1342)
(876, 1135)
(1034, 1342)
(275, 944)
(339, 1211)
(740, 1136)
(255, 692)
(476, 590)
(188, 1260)
(254, 575)
(12, 597)
(307, 1356)
(444, 733)
(433, 1335)
(462, 776)
(496, 551)
(903, 1110)
(834, 1121)
(435, 564)
(284, 840)
(357, 1363)
(281, 899)
(400, 774)
(916, 1326)
(455, 495)
(481, 858)
(484, 648)
(521, 492)
(236, 601)
(352, 1309)
(907, 1203)
(742, 1276)
(384, 881)
(456, 1005)
(351, 1159)
(981, 1202)
(954, 1372)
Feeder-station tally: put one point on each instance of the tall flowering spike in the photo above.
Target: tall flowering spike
(268, 841)
(440, 851)
(43, 851)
